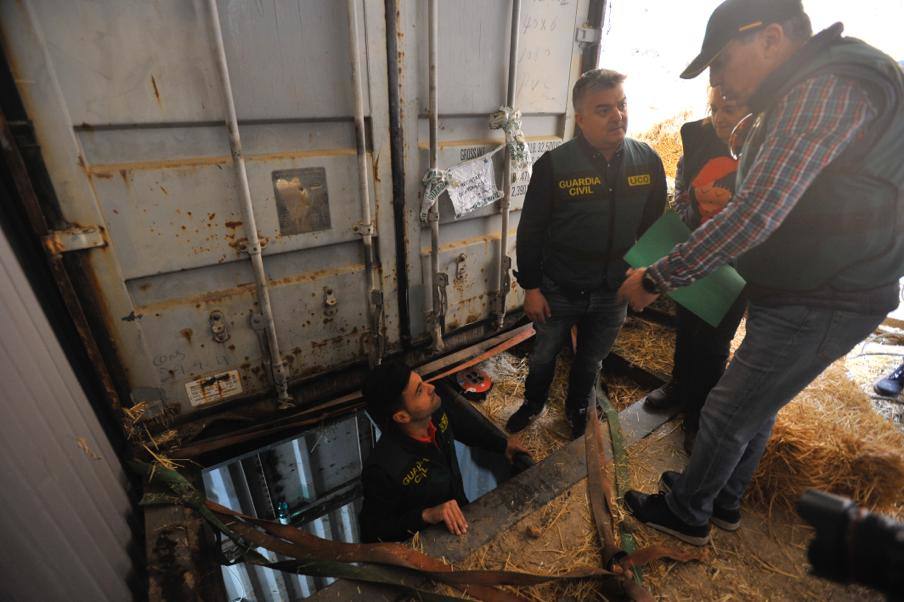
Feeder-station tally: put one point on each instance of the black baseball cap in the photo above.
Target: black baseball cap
(733, 18)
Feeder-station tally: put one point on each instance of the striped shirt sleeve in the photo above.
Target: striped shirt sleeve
(811, 125)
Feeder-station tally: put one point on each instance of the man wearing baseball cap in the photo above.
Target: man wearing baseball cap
(816, 228)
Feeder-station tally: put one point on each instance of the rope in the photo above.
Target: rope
(509, 121)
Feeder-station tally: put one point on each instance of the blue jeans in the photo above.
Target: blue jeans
(598, 316)
(785, 348)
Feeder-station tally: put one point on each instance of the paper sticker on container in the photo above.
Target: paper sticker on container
(472, 185)
(215, 387)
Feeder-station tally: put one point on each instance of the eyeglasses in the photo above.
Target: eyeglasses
(739, 135)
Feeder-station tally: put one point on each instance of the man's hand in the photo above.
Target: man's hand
(535, 305)
(513, 447)
(449, 513)
(633, 292)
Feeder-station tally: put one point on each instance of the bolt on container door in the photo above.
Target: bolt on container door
(128, 106)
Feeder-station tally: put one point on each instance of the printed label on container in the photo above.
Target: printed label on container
(215, 387)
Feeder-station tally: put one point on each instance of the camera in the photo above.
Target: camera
(852, 545)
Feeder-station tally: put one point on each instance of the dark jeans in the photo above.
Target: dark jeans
(700, 355)
(598, 316)
(785, 348)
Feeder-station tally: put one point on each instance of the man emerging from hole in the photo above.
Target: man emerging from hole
(587, 203)
(411, 478)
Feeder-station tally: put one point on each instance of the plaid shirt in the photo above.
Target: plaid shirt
(811, 126)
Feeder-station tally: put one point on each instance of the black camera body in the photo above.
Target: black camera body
(852, 545)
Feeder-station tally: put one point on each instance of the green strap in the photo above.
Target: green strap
(620, 459)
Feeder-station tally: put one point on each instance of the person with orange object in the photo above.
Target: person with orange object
(704, 185)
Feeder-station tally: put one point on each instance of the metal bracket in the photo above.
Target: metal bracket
(330, 303)
(74, 239)
(259, 326)
(362, 229)
(588, 35)
(460, 268)
(376, 299)
(218, 326)
(506, 274)
(441, 281)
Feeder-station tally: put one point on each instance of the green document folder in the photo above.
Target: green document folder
(709, 297)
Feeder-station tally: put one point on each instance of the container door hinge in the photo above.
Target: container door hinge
(586, 36)
(78, 238)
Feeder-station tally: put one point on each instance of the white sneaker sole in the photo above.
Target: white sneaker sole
(694, 541)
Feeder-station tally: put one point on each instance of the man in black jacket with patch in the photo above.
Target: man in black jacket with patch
(411, 478)
(587, 203)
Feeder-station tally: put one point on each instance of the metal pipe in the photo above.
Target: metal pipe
(397, 158)
(505, 262)
(366, 229)
(277, 365)
(433, 215)
(596, 16)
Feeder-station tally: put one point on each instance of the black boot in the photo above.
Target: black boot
(663, 398)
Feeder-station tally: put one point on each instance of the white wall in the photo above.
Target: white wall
(653, 41)
(63, 503)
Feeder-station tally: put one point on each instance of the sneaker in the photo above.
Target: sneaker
(663, 398)
(891, 385)
(654, 512)
(729, 520)
(524, 417)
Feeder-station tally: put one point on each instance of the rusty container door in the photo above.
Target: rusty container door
(472, 70)
(128, 106)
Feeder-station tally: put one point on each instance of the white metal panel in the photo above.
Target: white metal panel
(63, 503)
(128, 108)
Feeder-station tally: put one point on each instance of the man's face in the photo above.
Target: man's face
(740, 68)
(602, 116)
(419, 400)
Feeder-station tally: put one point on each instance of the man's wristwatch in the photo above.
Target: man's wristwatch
(649, 284)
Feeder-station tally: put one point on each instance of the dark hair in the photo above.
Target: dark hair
(798, 29)
(596, 79)
(383, 390)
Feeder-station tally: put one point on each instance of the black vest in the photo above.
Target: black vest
(846, 234)
(595, 222)
(706, 157)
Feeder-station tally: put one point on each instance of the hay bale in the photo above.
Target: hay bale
(665, 138)
(830, 438)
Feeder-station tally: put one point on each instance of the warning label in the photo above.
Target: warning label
(215, 387)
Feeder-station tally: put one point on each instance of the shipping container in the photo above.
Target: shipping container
(128, 107)
(231, 193)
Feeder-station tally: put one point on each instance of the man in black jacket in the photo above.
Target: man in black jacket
(587, 203)
(411, 478)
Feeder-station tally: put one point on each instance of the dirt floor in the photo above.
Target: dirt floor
(764, 560)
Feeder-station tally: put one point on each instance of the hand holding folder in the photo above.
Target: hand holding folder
(711, 296)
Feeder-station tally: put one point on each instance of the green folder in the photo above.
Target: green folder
(710, 297)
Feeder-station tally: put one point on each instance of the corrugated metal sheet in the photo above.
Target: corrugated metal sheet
(317, 476)
(63, 502)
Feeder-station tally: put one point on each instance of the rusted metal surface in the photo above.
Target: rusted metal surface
(134, 147)
(182, 559)
(505, 262)
(32, 207)
(159, 184)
